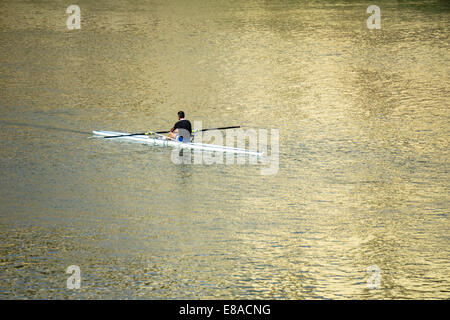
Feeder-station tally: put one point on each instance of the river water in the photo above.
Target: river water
(362, 177)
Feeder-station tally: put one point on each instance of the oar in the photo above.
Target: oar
(160, 132)
(132, 134)
(222, 128)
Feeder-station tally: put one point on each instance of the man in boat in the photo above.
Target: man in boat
(182, 129)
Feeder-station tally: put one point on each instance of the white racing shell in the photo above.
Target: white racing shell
(160, 141)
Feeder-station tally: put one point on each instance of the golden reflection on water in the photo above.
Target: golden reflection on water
(363, 177)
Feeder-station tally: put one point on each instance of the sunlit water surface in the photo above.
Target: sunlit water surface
(363, 165)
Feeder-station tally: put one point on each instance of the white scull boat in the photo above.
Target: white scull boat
(161, 141)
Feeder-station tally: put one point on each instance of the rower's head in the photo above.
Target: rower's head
(180, 115)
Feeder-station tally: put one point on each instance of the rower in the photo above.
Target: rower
(182, 129)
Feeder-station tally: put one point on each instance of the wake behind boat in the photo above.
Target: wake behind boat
(157, 139)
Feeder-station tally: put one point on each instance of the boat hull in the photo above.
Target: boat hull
(176, 144)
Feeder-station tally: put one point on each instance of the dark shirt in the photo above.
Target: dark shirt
(183, 124)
